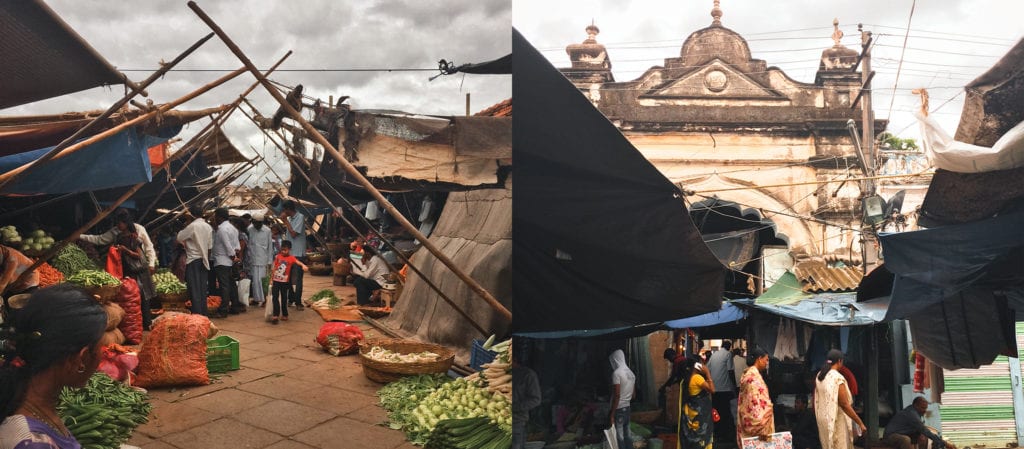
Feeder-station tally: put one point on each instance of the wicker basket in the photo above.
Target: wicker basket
(318, 258)
(340, 281)
(384, 372)
(320, 270)
(337, 249)
(173, 297)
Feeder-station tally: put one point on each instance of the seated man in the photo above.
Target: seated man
(906, 428)
(805, 427)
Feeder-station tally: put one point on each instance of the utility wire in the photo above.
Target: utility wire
(297, 70)
(895, 84)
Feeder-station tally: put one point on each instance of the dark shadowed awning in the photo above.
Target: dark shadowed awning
(43, 57)
(602, 239)
(217, 149)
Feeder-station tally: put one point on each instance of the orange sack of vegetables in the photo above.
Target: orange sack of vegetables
(48, 275)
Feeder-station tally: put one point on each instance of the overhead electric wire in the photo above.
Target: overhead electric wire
(946, 33)
(434, 69)
(950, 39)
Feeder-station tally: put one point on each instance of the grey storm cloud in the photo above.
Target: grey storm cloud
(322, 34)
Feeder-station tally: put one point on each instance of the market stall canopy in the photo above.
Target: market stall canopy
(122, 159)
(729, 313)
(961, 287)
(217, 149)
(991, 108)
(43, 57)
(791, 298)
(603, 240)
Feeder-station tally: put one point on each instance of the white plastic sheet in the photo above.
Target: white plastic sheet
(960, 157)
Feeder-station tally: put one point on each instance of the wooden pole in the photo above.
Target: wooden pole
(13, 174)
(423, 276)
(136, 89)
(319, 138)
(218, 121)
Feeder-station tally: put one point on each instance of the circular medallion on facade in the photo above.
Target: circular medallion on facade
(715, 80)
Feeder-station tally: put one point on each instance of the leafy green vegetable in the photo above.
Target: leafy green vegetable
(325, 293)
(399, 398)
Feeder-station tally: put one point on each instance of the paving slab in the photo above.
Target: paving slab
(289, 393)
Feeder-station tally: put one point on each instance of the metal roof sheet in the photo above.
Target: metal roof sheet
(817, 277)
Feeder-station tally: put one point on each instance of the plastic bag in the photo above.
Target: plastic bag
(243, 291)
(114, 266)
(339, 338)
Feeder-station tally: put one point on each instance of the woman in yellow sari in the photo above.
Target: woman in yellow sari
(695, 428)
(756, 415)
(833, 407)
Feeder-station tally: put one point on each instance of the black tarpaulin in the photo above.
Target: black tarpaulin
(43, 57)
(500, 66)
(602, 239)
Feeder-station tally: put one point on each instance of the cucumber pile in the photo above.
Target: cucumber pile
(104, 413)
(469, 433)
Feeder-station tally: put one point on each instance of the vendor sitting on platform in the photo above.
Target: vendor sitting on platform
(369, 274)
(906, 429)
(12, 264)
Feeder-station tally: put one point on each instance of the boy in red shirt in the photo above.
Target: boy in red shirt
(280, 273)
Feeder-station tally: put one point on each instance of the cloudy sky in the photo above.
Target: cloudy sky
(323, 34)
(950, 43)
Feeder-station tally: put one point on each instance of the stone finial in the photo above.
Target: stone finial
(592, 31)
(837, 35)
(716, 14)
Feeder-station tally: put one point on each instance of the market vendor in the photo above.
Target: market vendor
(13, 263)
(122, 216)
(906, 429)
(369, 274)
(526, 396)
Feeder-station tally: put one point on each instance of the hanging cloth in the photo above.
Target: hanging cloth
(785, 343)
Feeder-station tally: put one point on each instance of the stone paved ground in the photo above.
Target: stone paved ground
(289, 394)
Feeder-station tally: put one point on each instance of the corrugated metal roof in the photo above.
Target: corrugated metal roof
(43, 57)
(817, 277)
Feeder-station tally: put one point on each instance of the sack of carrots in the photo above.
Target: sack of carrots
(48, 275)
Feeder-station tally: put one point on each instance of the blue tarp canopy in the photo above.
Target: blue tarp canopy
(612, 333)
(728, 314)
(830, 309)
(119, 160)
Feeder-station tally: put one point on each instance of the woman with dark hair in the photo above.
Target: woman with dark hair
(833, 405)
(49, 344)
(133, 263)
(754, 409)
(696, 426)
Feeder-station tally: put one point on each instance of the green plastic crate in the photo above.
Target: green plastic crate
(221, 354)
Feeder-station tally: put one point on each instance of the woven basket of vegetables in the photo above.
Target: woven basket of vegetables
(388, 360)
(97, 283)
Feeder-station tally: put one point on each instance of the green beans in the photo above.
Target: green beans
(71, 259)
(93, 278)
(104, 413)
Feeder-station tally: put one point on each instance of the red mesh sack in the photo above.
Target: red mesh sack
(174, 353)
(129, 298)
(339, 338)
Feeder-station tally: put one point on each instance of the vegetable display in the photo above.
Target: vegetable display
(459, 399)
(386, 355)
(167, 283)
(401, 397)
(9, 236)
(470, 433)
(93, 278)
(324, 299)
(104, 413)
(71, 259)
(49, 276)
(497, 375)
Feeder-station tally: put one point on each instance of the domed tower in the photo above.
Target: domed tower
(590, 62)
(836, 71)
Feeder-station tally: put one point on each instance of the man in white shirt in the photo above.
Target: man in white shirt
(370, 273)
(225, 253)
(295, 231)
(259, 256)
(197, 238)
(722, 374)
(110, 237)
(623, 386)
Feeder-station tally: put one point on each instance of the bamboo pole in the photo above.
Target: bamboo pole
(219, 121)
(13, 174)
(319, 138)
(401, 256)
(136, 89)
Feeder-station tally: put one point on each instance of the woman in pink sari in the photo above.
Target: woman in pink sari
(755, 413)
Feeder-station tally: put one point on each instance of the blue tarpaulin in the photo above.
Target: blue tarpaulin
(117, 161)
(728, 314)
